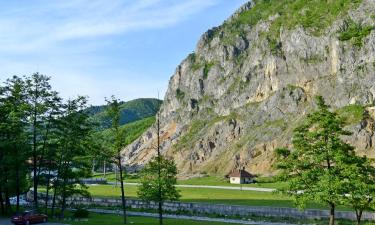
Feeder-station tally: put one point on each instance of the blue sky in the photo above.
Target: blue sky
(128, 48)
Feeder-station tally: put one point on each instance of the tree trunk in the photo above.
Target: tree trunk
(35, 178)
(122, 189)
(160, 213)
(104, 169)
(18, 188)
(116, 176)
(47, 192)
(55, 185)
(8, 207)
(159, 174)
(358, 213)
(63, 203)
(2, 209)
(93, 166)
(332, 214)
(53, 200)
(47, 198)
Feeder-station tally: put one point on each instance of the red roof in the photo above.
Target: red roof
(241, 173)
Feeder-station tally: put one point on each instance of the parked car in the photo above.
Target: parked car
(13, 201)
(29, 217)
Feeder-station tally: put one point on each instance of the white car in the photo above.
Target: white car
(13, 201)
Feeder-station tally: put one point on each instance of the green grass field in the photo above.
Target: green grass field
(208, 181)
(211, 196)
(95, 219)
(221, 181)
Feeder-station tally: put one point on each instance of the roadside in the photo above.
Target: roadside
(7, 222)
(180, 217)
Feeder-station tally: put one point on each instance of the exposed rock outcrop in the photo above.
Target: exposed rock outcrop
(240, 95)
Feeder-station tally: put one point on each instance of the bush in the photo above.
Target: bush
(355, 32)
(180, 95)
(81, 213)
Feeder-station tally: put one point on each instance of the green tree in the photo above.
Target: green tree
(73, 146)
(158, 180)
(13, 139)
(315, 169)
(40, 98)
(359, 186)
(114, 113)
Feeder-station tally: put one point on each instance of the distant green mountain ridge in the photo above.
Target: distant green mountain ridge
(132, 130)
(131, 111)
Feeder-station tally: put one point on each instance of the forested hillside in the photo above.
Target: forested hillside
(131, 111)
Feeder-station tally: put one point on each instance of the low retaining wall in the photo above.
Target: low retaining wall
(219, 209)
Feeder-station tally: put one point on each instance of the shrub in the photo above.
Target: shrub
(81, 213)
(351, 114)
(207, 68)
(355, 32)
(180, 95)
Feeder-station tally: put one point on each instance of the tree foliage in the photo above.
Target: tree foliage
(42, 140)
(317, 167)
(151, 183)
(114, 114)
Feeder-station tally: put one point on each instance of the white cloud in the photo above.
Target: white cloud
(59, 38)
(41, 26)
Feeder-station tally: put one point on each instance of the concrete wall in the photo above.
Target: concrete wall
(223, 210)
(237, 180)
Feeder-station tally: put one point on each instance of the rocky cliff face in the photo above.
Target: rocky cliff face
(252, 80)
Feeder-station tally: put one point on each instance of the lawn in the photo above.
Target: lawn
(211, 196)
(111, 176)
(208, 181)
(221, 181)
(95, 219)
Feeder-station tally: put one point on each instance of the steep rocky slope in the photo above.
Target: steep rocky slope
(252, 80)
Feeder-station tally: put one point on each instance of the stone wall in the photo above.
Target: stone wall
(218, 209)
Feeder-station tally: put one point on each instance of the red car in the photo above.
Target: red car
(29, 217)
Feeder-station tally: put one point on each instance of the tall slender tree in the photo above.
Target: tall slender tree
(75, 131)
(14, 138)
(114, 112)
(40, 94)
(158, 179)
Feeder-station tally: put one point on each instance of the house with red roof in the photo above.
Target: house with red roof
(239, 176)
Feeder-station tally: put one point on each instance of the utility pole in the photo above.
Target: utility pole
(159, 172)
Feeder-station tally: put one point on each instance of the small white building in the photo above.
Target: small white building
(241, 177)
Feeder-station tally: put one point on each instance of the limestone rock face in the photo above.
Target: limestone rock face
(237, 98)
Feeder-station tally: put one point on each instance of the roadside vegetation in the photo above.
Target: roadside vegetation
(95, 219)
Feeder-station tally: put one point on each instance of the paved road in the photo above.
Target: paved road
(196, 218)
(215, 187)
(7, 222)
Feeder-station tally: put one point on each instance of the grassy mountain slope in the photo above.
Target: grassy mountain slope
(132, 130)
(131, 111)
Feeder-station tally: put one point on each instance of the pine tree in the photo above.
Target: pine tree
(40, 97)
(13, 138)
(113, 112)
(158, 180)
